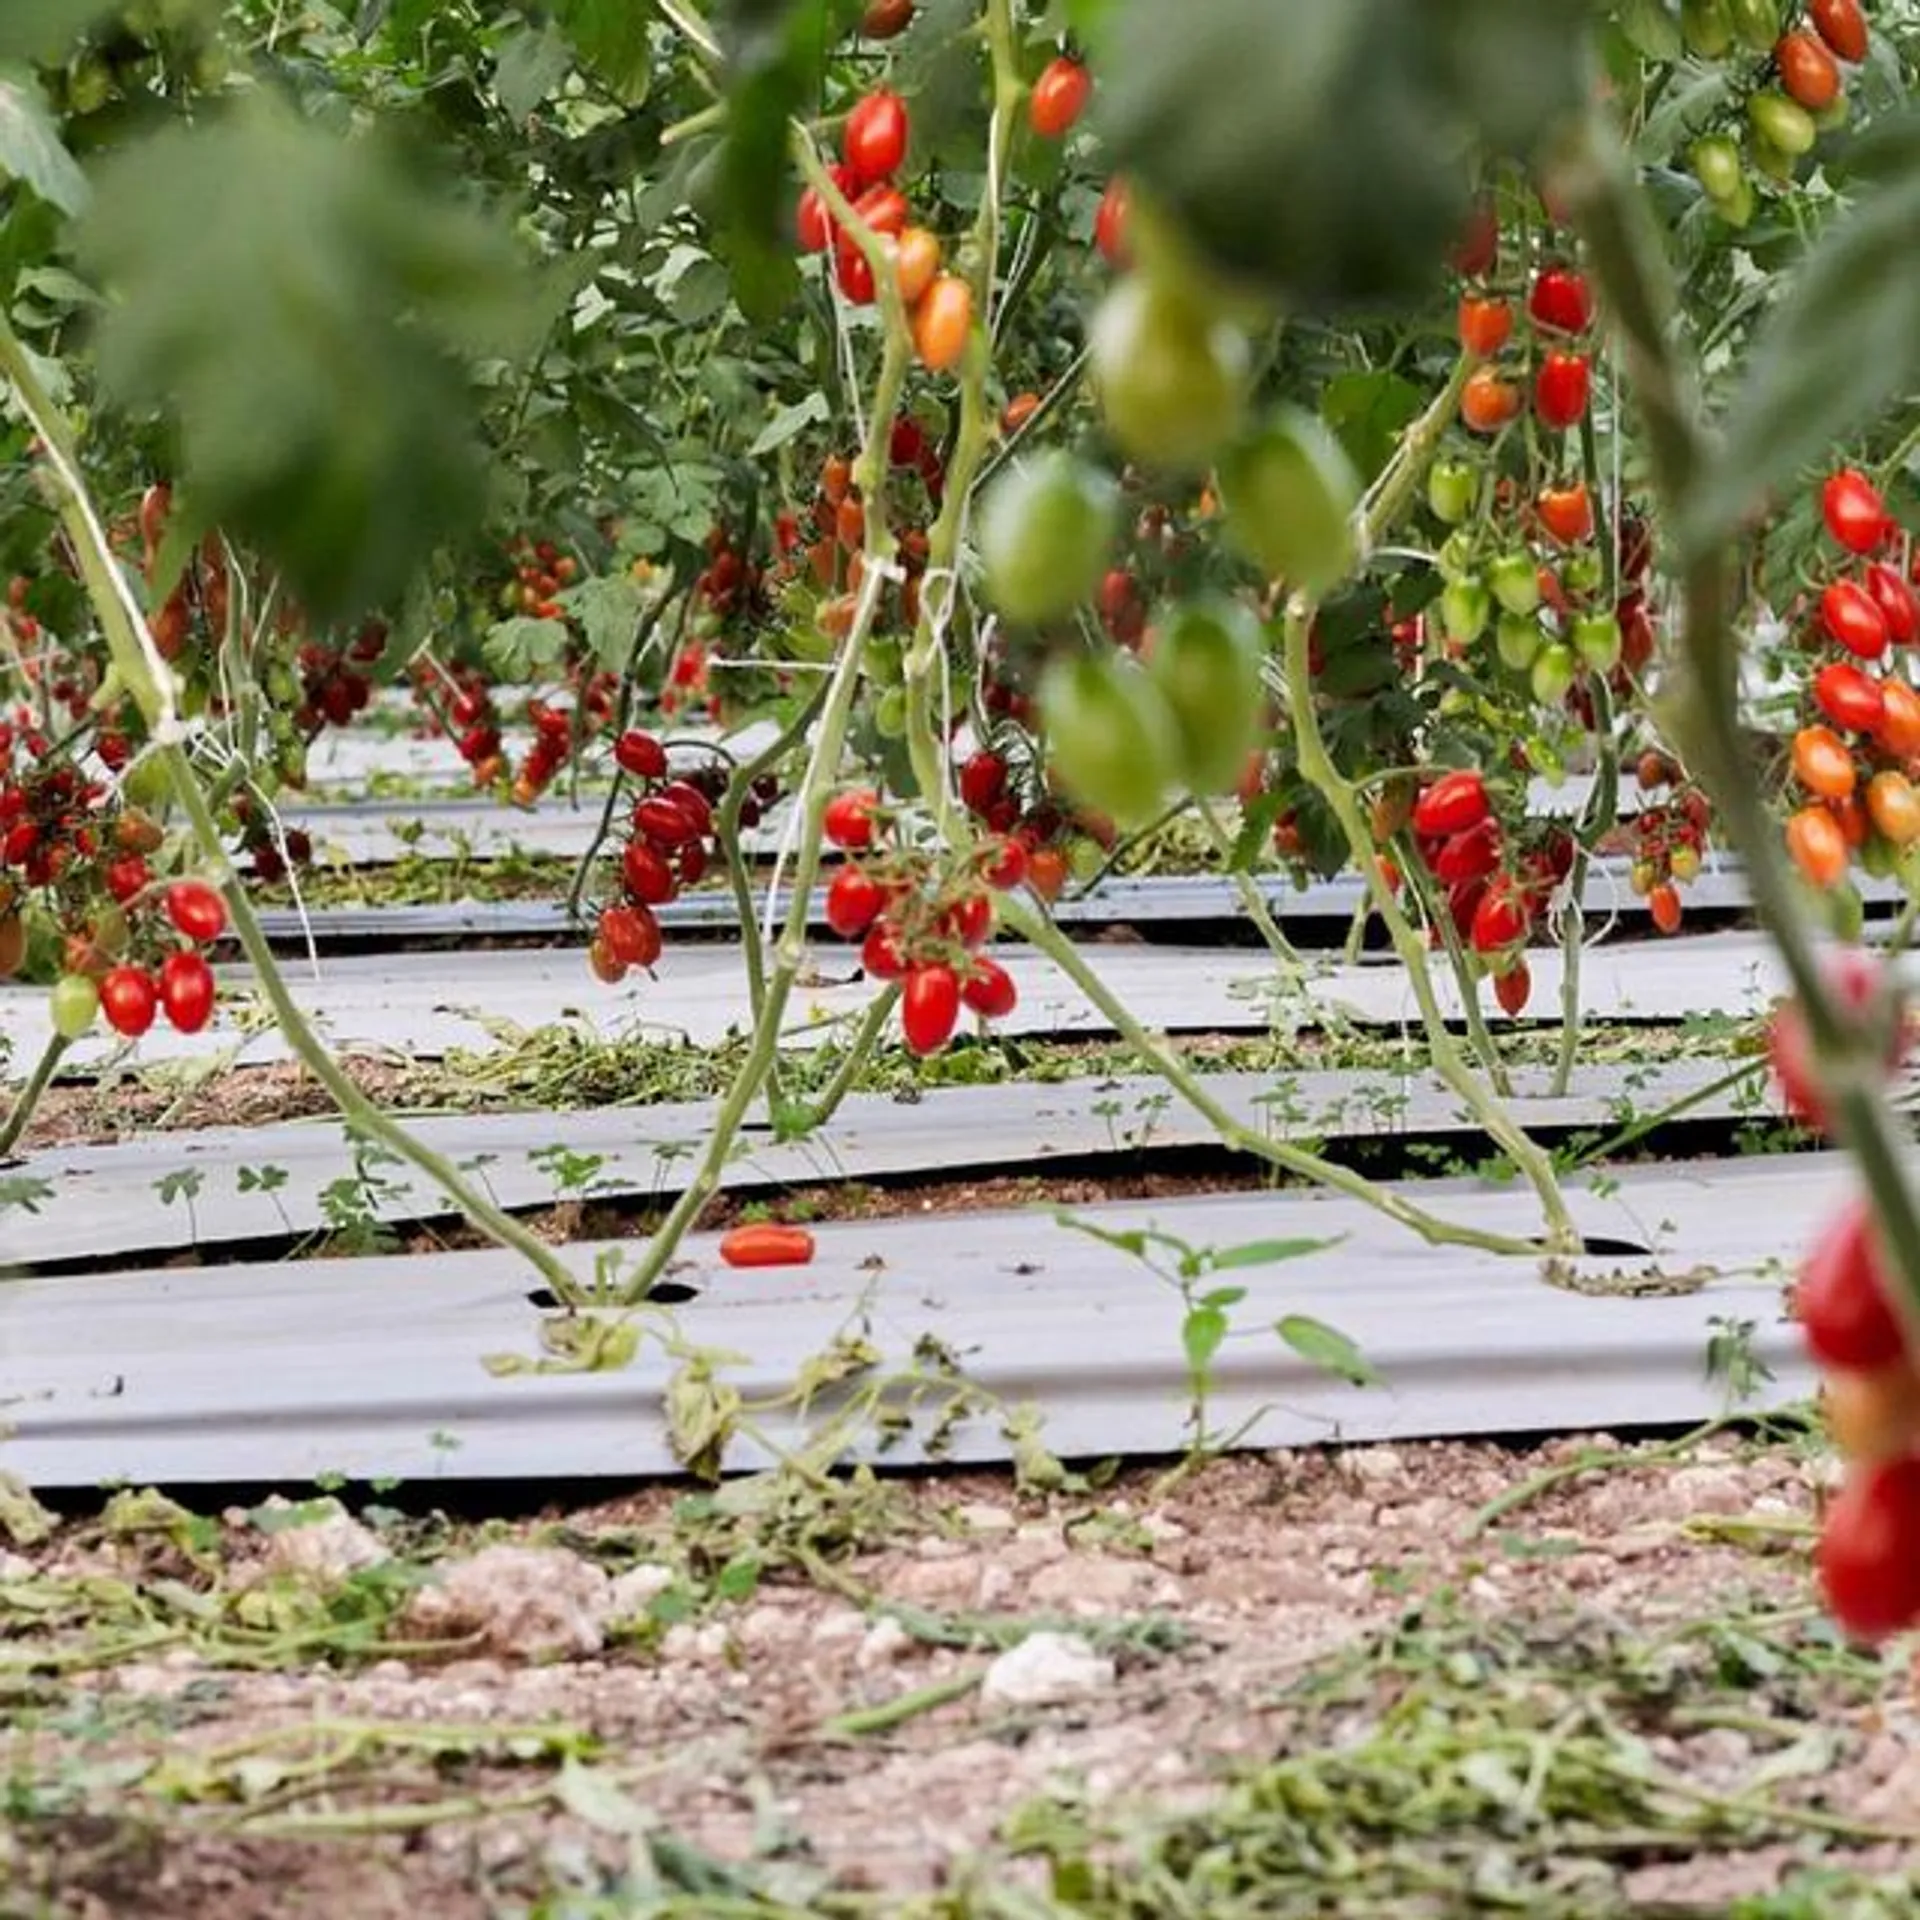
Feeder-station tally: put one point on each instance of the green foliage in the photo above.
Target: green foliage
(31, 149)
(1322, 151)
(297, 304)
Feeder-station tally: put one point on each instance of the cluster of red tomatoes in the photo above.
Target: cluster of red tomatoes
(334, 682)
(873, 148)
(834, 558)
(668, 846)
(1668, 841)
(541, 572)
(1493, 896)
(730, 583)
(918, 923)
(1040, 833)
(1801, 94)
(1853, 763)
(1869, 1552)
(100, 981)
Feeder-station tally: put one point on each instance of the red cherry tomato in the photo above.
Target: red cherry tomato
(186, 991)
(1869, 1571)
(1110, 224)
(1848, 697)
(1561, 301)
(197, 911)
(874, 140)
(641, 755)
(129, 1001)
(1059, 97)
(989, 990)
(1896, 602)
(854, 902)
(1562, 389)
(1855, 514)
(929, 1008)
(646, 875)
(1450, 805)
(1853, 620)
(848, 821)
(765, 1244)
(1485, 324)
(631, 934)
(880, 955)
(1855, 978)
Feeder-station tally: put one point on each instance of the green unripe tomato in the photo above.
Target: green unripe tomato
(886, 663)
(1738, 211)
(1782, 124)
(1832, 117)
(73, 1005)
(1518, 638)
(1597, 640)
(890, 714)
(1451, 488)
(146, 785)
(1170, 374)
(1515, 582)
(1756, 23)
(1716, 163)
(1455, 560)
(1045, 529)
(1465, 608)
(1110, 738)
(1582, 572)
(1289, 492)
(1552, 673)
(1085, 858)
(1206, 663)
(1706, 28)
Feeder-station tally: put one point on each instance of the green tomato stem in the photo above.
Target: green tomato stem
(30, 1095)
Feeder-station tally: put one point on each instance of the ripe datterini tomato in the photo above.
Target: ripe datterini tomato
(874, 139)
(186, 991)
(766, 1244)
(1854, 513)
(1452, 804)
(129, 1001)
(1853, 619)
(1561, 390)
(1561, 301)
(929, 1007)
(197, 911)
(1059, 97)
(1857, 980)
(1869, 1571)
(848, 820)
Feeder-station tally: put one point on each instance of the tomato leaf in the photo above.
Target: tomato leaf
(810, 410)
(44, 29)
(1263, 1253)
(326, 382)
(31, 148)
(1327, 1348)
(531, 65)
(1367, 411)
(613, 40)
(1201, 1333)
(1841, 343)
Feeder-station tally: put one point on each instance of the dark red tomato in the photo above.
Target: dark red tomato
(1514, 988)
(691, 801)
(982, 780)
(1003, 864)
(1467, 856)
(1853, 619)
(647, 876)
(854, 901)
(1499, 920)
(848, 821)
(197, 911)
(874, 140)
(1479, 244)
(1059, 97)
(665, 821)
(186, 991)
(1849, 1322)
(129, 1001)
(813, 225)
(929, 1008)
(1854, 977)
(970, 919)
(1855, 514)
(1110, 224)
(127, 876)
(1869, 1570)
(1451, 804)
(880, 955)
(765, 1244)
(1561, 301)
(854, 272)
(631, 934)
(640, 754)
(1848, 697)
(1842, 25)
(1894, 598)
(989, 990)
(1561, 390)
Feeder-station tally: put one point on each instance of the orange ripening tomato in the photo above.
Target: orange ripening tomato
(1894, 807)
(1817, 846)
(1663, 903)
(1486, 324)
(1488, 402)
(1566, 512)
(1808, 72)
(916, 259)
(1851, 818)
(767, 1245)
(1018, 411)
(1822, 764)
(1897, 731)
(942, 322)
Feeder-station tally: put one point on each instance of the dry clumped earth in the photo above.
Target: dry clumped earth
(646, 1706)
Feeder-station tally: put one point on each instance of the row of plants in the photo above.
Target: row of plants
(1310, 423)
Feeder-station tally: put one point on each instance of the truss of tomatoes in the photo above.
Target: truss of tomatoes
(1869, 1550)
(1854, 759)
(919, 921)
